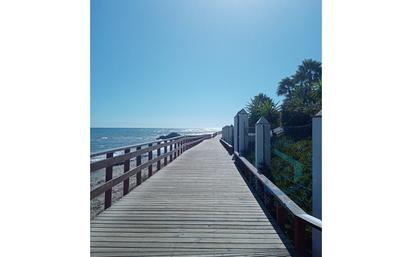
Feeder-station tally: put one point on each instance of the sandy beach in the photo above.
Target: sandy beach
(97, 178)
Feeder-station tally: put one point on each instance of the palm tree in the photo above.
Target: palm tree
(285, 86)
(262, 105)
(303, 96)
(308, 72)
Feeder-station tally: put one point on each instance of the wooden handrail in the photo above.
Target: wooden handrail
(281, 197)
(122, 148)
(228, 146)
(117, 149)
(121, 158)
(111, 183)
(180, 144)
(269, 193)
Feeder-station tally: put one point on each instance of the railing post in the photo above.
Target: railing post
(241, 132)
(150, 168)
(236, 134)
(126, 168)
(280, 215)
(171, 148)
(299, 236)
(164, 152)
(158, 154)
(225, 133)
(262, 144)
(317, 181)
(268, 199)
(230, 135)
(109, 176)
(175, 153)
(138, 163)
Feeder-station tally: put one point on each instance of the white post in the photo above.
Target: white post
(262, 144)
(236, 134)
(317, 181)
(223, 133)
(230, 134)
(243, 124)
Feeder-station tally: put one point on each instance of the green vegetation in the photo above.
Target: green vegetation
(263, 105)
(303, 99)
(282, 174)
(302, 92)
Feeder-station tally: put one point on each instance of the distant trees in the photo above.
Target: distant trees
(302, 92)
(303, 98)
(262, 105)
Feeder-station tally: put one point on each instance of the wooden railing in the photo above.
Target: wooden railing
(277, 203)
(172, 148)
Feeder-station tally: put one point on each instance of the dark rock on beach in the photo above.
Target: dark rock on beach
(170, 135)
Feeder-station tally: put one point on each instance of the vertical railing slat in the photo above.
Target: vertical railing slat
(165, 151)
(171, 155)
(109, 176)
(299, 236)
(158, 154)
(126, 168)
(280, 216)
(150, 168)
(138, 163)
(175, 153)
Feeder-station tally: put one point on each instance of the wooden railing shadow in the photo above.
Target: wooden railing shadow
(288, 216)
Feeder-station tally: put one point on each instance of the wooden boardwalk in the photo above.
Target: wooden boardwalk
(198, 205)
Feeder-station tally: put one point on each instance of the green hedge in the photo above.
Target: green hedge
(281, 172)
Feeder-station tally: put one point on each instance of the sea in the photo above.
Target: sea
(107, 138)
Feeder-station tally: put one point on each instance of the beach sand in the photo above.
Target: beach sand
(97, 178)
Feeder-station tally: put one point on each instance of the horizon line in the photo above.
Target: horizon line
(160, 127)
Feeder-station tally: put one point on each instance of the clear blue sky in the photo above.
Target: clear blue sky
(193, 63)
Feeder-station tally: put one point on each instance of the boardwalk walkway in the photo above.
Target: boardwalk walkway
(198, 205)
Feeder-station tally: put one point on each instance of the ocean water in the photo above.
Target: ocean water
(106, 138)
